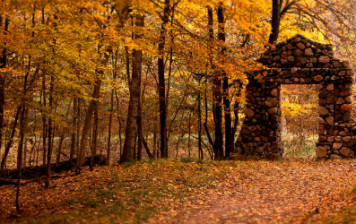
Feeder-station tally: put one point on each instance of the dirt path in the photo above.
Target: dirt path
(167, 191)
(280, 193)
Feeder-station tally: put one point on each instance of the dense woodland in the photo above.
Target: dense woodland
(143, 79)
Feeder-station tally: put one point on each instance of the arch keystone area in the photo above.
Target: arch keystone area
(299, 61)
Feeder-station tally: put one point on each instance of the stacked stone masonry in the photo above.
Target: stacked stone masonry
(299, 61)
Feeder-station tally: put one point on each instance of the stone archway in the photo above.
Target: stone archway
(299, 61)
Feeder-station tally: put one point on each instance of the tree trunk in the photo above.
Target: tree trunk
(108, 150)
(19, 155)
(180, 138)
(87, 123)
(95, 136)
(154, 146)
(63, 132)
(190, 114)
(78, 127)
(120, 123)
(44, 120)
(50, 127)
(22, 137)
(9, 143)
(3, 62)
(201, 155)
(206, 117)
(161, 81)
(217, 98)
(73, 134)
(139, 131)
(276, 20)
(24, 156)
(229, 141)
(135, 92)
(90, 111)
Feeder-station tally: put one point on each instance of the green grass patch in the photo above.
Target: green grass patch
(106, 194)
(143, 214)
(130, 193)
(347, 216)
(353, 190)
(299, 146)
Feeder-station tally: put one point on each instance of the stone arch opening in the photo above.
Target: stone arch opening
(299, 61)
(300, 119)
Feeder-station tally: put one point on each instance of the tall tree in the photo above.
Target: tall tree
(88, 119)
(4, 24)
(217, 96)
(50, 129)
(135, 92)
(161, 80)
(229, 138)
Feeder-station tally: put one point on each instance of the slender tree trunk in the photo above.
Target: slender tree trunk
(139, 131)
(87, 124)
(217, 98)
(135, 92)
(229, 141)
(3, 62)
(210, 49)
(108, 150)
(180, 138)
(19, 155)
(22, 137)
(78, 127)
(33, 142)
(90, 111)
(161, 81)
(119, 121)
(172, 11)
(236, 111)
(95, 136)
(154, 144)
(44, 120)
(9, 143)
(24, 149)
(63, 132)
(189, 132)
(73, 134)
(201, 156)
(206, 117)
(59, 149)
(50, 127)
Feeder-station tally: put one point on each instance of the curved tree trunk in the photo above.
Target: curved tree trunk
(90, 111)
(87, 124)
(9, 143)
(133, 110)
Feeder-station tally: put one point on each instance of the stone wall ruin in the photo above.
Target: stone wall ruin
(299, 61)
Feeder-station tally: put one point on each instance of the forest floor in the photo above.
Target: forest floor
(288, 191)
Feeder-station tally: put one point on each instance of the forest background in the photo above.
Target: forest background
(144, 79)
(147, 79)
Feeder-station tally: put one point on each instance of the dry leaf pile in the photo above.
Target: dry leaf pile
(189, 192)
